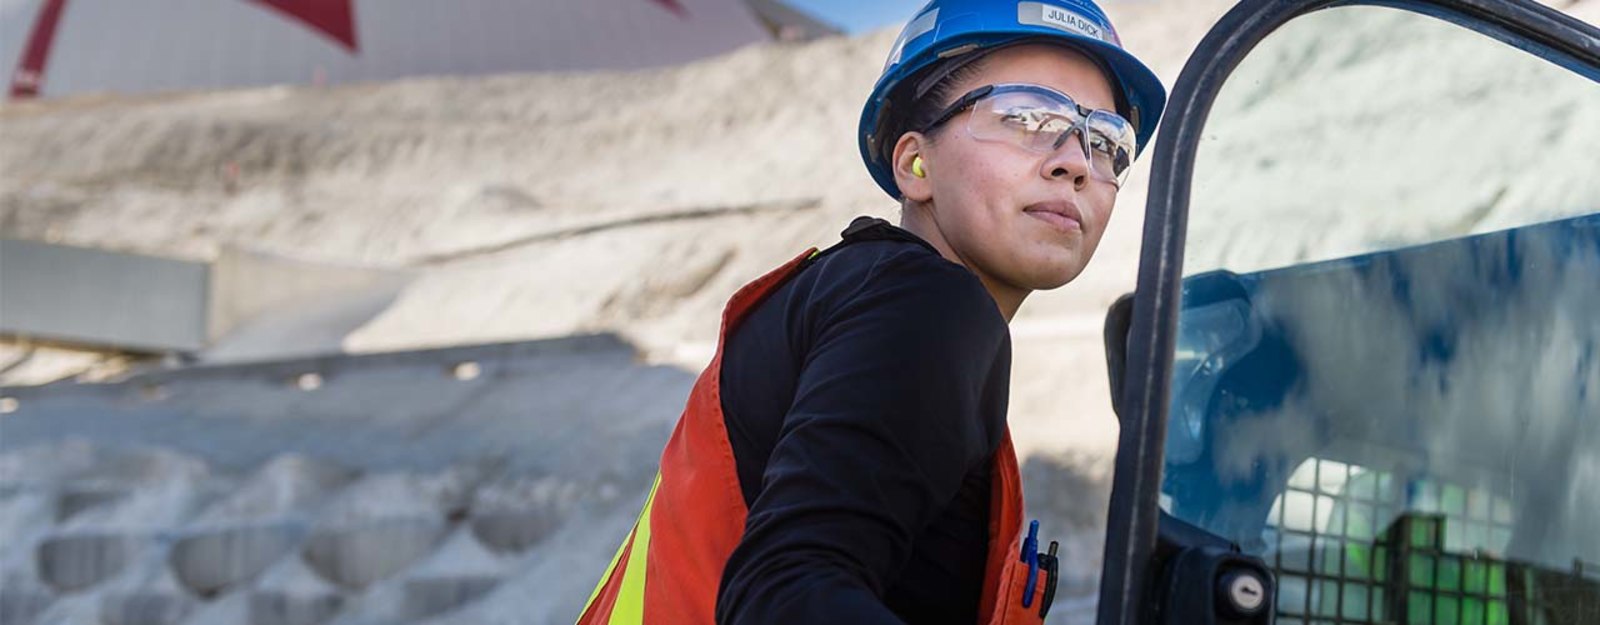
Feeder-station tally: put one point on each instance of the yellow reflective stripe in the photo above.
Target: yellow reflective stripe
(629, 609)
(621, 549)
(607, 577)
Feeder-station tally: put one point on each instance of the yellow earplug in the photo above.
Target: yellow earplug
(916, 168)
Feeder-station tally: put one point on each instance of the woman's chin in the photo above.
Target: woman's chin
(1052, 275)
(1057, 282)
(1064, 266)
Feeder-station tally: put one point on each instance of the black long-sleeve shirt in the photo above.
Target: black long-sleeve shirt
(864, 401)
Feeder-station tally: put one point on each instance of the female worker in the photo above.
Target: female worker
(845, 456)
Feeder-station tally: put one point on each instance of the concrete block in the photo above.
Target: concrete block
(145, 608)
(19, 605)
(431, 596)
(76, 562)
(277, 607)
(211, 562)
(76, 499)
(514, 532)
(356, 556)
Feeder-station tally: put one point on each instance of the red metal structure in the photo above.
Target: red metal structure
(30, 70)
(334, 18)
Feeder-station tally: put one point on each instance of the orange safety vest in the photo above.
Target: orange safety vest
(668, 569)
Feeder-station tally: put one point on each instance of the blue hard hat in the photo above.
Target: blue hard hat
(950, 28)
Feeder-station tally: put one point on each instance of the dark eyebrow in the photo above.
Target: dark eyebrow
(1082, 110)
(973, 96)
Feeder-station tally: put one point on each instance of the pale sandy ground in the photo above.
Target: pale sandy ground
(546, 205)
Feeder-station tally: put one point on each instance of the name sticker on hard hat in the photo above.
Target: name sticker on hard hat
(923, 25)
(1041, 14)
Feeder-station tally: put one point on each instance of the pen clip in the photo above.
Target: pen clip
(1052, 574)
(1030, 556)
(1030, 544)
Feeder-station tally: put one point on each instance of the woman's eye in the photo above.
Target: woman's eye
(1054, 124)
(1101, 145)
(1032, 121)
(1020, 119)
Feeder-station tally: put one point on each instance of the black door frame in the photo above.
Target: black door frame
(1144, 378)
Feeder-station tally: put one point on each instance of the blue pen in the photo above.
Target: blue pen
(1030, 556)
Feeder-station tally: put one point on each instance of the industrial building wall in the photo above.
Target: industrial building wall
(155, 45)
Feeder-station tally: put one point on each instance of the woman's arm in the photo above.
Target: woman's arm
(886, 422)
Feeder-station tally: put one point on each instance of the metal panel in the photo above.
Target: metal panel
(85, 296)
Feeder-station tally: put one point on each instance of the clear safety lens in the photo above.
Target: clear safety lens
(1043, 121)
(1111, 145)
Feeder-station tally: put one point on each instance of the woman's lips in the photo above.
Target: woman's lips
(1060, 215)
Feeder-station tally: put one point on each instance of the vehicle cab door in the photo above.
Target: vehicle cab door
(1359, 380)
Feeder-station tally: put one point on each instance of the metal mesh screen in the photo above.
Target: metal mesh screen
(1351, 546)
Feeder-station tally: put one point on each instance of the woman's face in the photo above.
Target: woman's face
(1022, 220)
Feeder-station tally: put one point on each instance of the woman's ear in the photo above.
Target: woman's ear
(911, 167)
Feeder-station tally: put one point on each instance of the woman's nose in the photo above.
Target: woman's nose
(1068, 160)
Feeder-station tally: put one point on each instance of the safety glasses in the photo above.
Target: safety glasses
(1041, 119)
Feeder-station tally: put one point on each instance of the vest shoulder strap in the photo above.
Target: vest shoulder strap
(866, 228)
